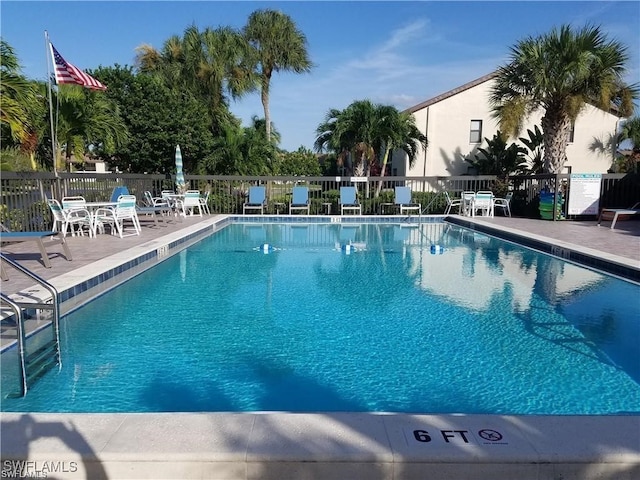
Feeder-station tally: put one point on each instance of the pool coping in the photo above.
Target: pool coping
(625, 268)
(276, 445)
(279, 445)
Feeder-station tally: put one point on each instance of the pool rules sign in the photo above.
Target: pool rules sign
(584, 193)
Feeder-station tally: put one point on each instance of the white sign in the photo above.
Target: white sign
(584, 194)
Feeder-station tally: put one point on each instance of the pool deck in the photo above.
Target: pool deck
(279, 445)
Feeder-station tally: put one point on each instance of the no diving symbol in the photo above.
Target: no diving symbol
(490, 435)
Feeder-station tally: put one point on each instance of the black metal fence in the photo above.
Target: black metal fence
(23, 206)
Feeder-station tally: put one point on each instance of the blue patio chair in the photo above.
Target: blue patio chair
(257, 200)
(348, 200)
(403, 201)
(299, 200)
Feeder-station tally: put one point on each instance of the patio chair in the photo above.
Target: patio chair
(115, 217)
(77, 201)
(468, 199)
(257, 200)
(504, 204)
(483, 203)
(452, 202)
(190, 202)
(348, 200)
(403, 201)
(204, 202)
(299, 200)
(75, 219)
(151, 201)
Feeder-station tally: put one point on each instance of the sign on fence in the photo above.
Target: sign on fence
(584, 193)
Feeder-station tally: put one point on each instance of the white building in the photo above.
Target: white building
(457, 122)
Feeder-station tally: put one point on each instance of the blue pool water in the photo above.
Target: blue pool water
(478, 326)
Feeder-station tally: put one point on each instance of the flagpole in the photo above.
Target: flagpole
(53, 135)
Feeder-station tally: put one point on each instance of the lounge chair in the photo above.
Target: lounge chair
(257, 200)
(348, 200)
(54, 238)
(452, 202)
(299, 200)
(504, 203)
(157, 209)
(633, 210)
(403, 201)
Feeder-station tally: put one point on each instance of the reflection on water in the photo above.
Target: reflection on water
(477, 325)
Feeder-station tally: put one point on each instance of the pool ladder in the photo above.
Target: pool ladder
(33, 365)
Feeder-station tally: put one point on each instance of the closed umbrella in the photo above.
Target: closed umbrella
(179, 175)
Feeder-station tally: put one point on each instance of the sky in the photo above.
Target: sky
(398, 53)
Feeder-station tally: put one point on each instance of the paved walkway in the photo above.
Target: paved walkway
(624, 242)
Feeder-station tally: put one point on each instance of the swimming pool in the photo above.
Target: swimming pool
(391, 326)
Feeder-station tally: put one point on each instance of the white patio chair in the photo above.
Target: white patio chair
(116, 216)
(74, 202)
(504, 203)
(151, 201)
(76, 219)
(468, 199)
(483, 203)
(452, 202)
(190, 202)
(204, 202)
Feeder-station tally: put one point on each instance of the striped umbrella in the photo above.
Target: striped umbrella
(179, 175)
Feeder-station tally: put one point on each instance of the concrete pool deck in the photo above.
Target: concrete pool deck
(316, 446)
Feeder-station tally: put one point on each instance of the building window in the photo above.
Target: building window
(475, 135)
(572, 131)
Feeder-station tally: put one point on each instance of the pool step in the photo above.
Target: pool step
(41, 361)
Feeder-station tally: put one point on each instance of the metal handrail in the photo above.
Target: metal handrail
(21, 341)
(55, 322)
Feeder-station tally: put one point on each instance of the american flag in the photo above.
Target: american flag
(67, 73)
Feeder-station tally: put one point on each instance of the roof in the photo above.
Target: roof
(451, 93)
(613, 110)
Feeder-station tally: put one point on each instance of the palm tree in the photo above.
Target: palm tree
(328, 139)
(16, 93)
(560, 73)
(277, 46)
(631, 131)
(206, 63)
(396, 130)
(88, 122)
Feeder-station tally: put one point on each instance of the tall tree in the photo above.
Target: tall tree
(328, 138)
(157, 119)
(16, 93)
(396, 130)
(210, 64)
(560, 72)
(368, 133)
(88, 122)
(351, 133)
(278, 45)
